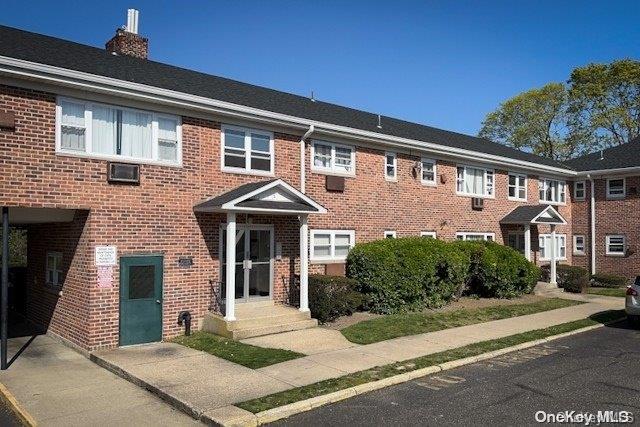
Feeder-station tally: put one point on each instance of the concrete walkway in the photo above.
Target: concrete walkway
(199, 383)
(59, 387)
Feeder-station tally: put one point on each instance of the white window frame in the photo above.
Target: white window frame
(518, 185)
(576, 251)
(435, 171)
(542, 239)
(519, 237)
(464, 235)
(332, 243)
(611, 195)
(431, 234)
(246, 170)
(575, 190)
(608, 244)
(394, 165)
(56, 269)
(543, 184)
(88, 116)
(390, 234)
(331, 170)
(487, 171)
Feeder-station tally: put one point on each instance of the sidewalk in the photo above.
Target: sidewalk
(59, 387)
(200, 383)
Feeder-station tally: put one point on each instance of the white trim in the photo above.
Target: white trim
(559, 237)
(332, 244)
(484, 182)
(427, 182)
(631, 170)
(331, 170)
(247, 151)
(617, 196)
(575, 191)
(560, 183)
(518, 186)
(431, 234)
(390, 234)
(608, 245)
(85, 81)
(544, 211)
(394, 165)
(464, 235)
(575, 244)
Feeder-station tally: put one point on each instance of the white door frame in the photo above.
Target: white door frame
(246, 229)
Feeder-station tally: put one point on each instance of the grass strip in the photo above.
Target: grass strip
(400, 325)
(328, 386)
(247, 355)
(608, 292)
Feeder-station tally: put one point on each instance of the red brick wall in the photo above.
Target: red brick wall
(125, 43)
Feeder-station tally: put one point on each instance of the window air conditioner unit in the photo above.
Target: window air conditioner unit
(123, 173)
(477, 204)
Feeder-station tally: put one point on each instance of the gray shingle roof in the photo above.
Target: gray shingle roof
(527, 213)
(43, 49)
(233, 194)
(621, 156)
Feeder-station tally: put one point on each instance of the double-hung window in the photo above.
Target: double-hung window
(247, 150)
(552, 190)
(578, 244)
(474, 181)
(517, 186)
(117, 133)
(579, 190)
(331, 245)
(488, 237)
(544, 242)
(54, 275)
(390, 166)
(333, 158)
(616, 245)
(428, 171)
(615, 188)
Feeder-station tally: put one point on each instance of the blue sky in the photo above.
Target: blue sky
(442, 63)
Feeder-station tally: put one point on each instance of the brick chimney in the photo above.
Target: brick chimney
(127, 41)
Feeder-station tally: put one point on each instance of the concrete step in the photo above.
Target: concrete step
(240, 334)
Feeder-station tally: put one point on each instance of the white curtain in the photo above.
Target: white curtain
(167, 139)
(104, 130)
(473, 181)
(136, 134)
(73, 132)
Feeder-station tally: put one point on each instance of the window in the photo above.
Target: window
(331, 245)
(545, 246)
(247, 150)
(578, 244)
(517, 186)
(430, 234)
(578, 190)
(333, 158)
(474, 181)
(54, 269)
(551, 190)
(516, 241)
(428, 172)
(616, 245)
(117, 133)
(389, 234)
(390, 166)
(615, 188)
(489, 237)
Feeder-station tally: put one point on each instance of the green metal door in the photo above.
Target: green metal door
(140, 299)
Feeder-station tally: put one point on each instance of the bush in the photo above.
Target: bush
(562, 270)
(414, 273)
(603, 280)
(576, 279)
(333, 296)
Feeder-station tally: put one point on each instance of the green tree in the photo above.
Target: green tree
(535, 121)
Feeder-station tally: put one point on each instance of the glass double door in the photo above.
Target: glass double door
(254, 266)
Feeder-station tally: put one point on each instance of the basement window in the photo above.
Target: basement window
(487, 237)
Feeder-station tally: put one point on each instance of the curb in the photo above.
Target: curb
(12, 403)
(246, 418)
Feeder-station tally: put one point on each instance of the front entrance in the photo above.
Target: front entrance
(140, 299)
(516, 241)
(254, 261)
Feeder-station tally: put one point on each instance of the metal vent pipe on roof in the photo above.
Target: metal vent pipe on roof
(132, 21)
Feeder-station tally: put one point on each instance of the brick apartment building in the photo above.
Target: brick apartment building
(131, 177)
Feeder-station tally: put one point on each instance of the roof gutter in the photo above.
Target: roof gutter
(592, 214)
(616, 171)
(95, 83)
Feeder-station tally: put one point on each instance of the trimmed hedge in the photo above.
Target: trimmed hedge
(603, 280)
(562, 270)
(333, 296)
(571, 278)
(410, 274)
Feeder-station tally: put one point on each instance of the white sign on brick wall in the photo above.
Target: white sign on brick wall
(106, 255)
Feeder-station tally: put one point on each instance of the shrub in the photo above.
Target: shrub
(333, 296)
(603, 280)
(562, 270)
(576, 279)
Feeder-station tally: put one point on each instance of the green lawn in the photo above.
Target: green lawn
(247, 355)
(378, 373)
(608, 292)
(399, 325)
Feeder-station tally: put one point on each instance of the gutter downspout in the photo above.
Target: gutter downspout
(592, 207)
(303, 163)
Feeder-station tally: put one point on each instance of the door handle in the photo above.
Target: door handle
(158, 301)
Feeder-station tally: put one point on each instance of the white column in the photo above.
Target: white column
(527, 241)
(553, 280)
(304, 263)
(231, 268)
